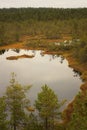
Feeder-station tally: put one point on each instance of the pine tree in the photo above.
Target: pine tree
(16, 102)
(48, 106)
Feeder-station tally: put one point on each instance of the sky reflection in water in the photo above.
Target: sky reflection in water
(39, 70)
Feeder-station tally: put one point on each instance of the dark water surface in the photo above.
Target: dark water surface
(37, 71)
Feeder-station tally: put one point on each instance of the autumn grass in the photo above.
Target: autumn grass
(82, 69)
(41, 42)
(26, 43)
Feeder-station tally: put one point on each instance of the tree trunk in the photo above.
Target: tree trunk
(46, 123)
(14, 126)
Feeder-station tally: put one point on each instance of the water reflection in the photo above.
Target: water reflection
(62, 59)
(2, 52)
(16, 50)
(52, 57)
(76, 73)
(52, 70)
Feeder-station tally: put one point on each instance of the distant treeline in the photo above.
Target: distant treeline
(41, 14)
(51, 23)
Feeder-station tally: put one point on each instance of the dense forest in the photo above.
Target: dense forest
(51, 23)
(41, 14)
(46, 23)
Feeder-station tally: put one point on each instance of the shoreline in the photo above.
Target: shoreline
(72, 62)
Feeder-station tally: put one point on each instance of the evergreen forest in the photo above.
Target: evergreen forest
(44, 26)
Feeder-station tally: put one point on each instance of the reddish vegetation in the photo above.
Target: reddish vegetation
(67, 112)
(24, 39)
(72, 63)
(31, 109)
(84, 87)
(80, 68)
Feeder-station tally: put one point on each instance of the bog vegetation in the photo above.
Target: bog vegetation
(16, 112)
(47, 25)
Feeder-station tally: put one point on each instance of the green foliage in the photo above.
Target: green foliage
(3, 115)
(79, 115)
(12, 109)
(48, 106)
(60, 126)
(32, 123)
(16, 102)
(41, 14)
(2, 34)
(51, 23)
(81, 54)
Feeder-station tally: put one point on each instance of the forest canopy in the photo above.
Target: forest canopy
(51, 23)
(41, 14)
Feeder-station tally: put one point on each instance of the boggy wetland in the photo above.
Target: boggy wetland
(37, 70)
(43, 69)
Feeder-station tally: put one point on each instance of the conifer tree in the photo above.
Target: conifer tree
(16, 102)
(48, 106)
